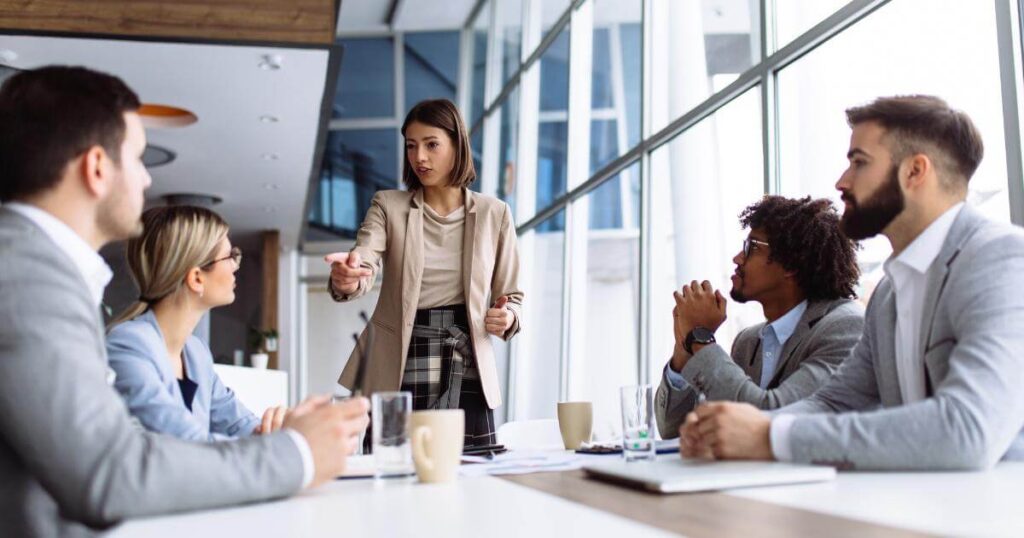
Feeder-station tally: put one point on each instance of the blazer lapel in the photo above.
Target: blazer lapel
(962, 229)
(885, 345)
(468, 246)
(412, 255)
(815, 311)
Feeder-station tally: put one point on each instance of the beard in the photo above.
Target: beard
(867, 219)
(736, 292)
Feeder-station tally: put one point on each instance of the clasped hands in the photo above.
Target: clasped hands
(697, 305)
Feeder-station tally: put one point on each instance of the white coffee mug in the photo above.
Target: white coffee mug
(437, 437)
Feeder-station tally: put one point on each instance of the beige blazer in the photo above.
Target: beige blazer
(392, 235)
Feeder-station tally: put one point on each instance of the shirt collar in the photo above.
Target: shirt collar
(785, 326)
(923, 250)
(90, 264)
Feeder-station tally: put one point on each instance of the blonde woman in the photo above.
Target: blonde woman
(184, 265)
(450, 268)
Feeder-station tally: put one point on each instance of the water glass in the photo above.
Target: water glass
(392, 452)
(638, 422)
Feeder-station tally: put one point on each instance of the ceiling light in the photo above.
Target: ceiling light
(267, 118)
(270, 186)
(269, 156)
(270, 62)
(165, 116)
(191, 198)
(154, 156)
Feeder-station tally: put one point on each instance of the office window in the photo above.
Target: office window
(876, 57)
(431, 66)
(616, 80)
(508, 146)
(478, 63)
(698, 48)
(366, 81)
(607, 311)
(476, 143)
(357, 163)
(553, 126)
(700, 182)
(794, 17)
(510, 23)
(538, 348)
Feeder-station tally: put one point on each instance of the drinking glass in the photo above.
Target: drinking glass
(392, 452)
(638, 422)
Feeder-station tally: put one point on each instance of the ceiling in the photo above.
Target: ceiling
(260, 169)
(369, 16)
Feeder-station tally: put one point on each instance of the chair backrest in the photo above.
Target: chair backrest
(256, 389)
(530, 434)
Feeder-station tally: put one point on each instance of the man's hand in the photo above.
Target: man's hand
(346, 270)
(697, 305)
(332, 431)
(499, 318)
(730, 430)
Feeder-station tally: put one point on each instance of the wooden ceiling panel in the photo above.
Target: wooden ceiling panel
(306, 22)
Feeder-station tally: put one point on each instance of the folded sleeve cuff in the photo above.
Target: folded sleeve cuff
(308, 466)
(779, 433)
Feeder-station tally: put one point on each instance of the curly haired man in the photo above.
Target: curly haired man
(799, 266)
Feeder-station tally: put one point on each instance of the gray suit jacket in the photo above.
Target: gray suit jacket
(972, 337)
(71, 458)
(824, 336)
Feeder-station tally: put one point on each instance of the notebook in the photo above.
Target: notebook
(672, 474)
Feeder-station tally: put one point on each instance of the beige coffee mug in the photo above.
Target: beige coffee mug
(575, 421)
(437, 438)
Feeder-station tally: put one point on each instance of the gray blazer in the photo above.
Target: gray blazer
(71, 457)
(824, 336)
(972, 335)
(138, 355)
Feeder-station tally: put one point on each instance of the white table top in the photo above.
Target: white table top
(974, 504)
(479, 506)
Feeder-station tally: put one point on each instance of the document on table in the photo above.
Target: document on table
(523, 462)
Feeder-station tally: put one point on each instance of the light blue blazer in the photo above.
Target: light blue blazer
(138, 355)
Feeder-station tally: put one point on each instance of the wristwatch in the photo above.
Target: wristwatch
(699, 335)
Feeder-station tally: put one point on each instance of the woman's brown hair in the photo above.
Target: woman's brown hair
(442, 114)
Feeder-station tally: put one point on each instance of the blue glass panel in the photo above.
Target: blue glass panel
(357, 164)
(366, 80)
(431, 66)
(551, 168)
(554, 74)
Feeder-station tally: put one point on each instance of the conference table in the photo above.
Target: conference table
(567, 503)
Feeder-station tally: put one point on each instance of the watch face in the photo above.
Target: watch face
(702, 335)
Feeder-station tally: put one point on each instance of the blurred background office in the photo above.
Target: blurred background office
(627, 135)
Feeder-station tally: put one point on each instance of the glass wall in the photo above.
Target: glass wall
(872, 58)
(663, 160)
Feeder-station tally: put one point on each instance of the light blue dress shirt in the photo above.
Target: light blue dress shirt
(138, 355)
(773, 338)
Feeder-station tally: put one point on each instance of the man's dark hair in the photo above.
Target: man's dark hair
(51, 115)
(444, 115)
(926, 124)
(803, 236)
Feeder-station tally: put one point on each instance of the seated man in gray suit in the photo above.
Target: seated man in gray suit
(71, 458)
(936, 379)
(802, 270)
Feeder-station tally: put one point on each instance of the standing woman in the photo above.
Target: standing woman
(450, 267)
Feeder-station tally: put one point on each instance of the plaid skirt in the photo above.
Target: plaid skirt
(440, 370)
